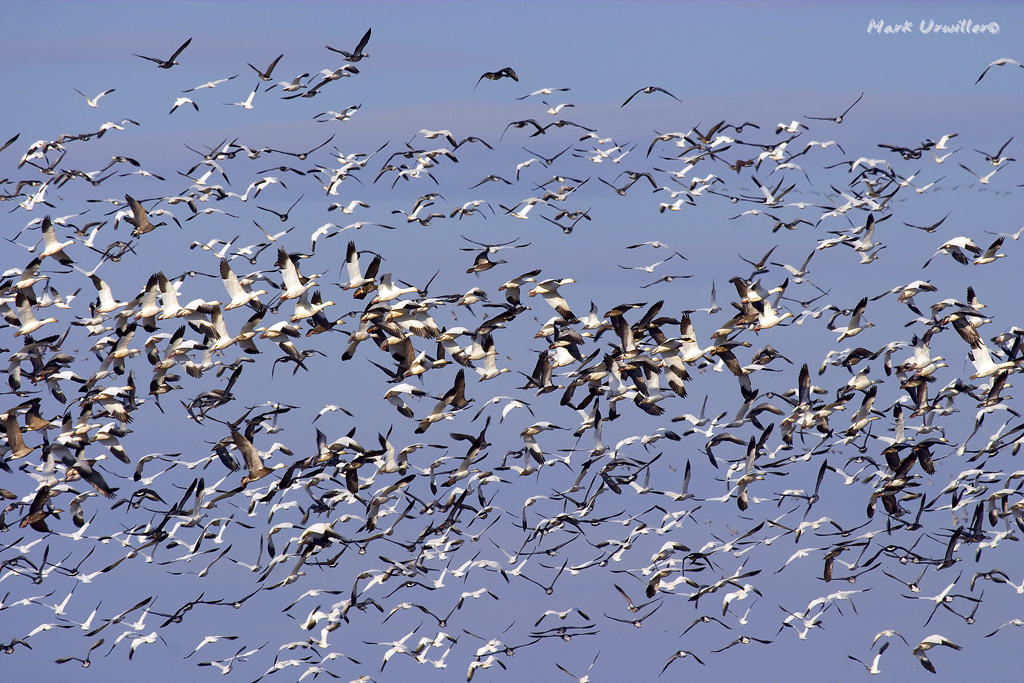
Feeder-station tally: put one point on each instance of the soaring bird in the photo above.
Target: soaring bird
(507, 72)
(169, 62)
(648, 90)
(999, 62)
(356, 54)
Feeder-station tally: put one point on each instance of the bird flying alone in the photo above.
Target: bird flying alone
(647, 91)
(507, 72)
(169, 62)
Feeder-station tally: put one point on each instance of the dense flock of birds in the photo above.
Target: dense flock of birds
(507, 498)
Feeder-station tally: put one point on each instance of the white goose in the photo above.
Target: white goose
(29, 323)
(293, 285)
(984, 366)
(387, 291)
(239, 295)
(247, 104)
(106, 296)
(51, 247)
(93, 102)
(549, 290)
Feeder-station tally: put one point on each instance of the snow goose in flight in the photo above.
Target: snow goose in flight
(767, 318)
(984, 366)
(55, 249)
(29, 323)
(167, 63)
(211, 84)
(793, 127)
(491, 179)
(990, 255)
(283, 216)
(247, 104)
(93, 101)
(553, 110)
(954, 248)
(838, 119)
(927, 644)
(356, 54)
(677, 206)
(148, 308)
(106, 296)
(290, 86)
(490, 369)
(512, 287)
(307, 308)
(239, 295)
(680, 654)
(650, 268)
(520, 167)
(873, 668)
(344, 115)
(997, 159)
(294, 284)
(169, 298)
(999, 62)
(666, 278)
(1012, 622)
(1012, 235)
(648, 90)
(434, 134)
(387, 291)
(507, 72)
(743, 640)
(182, 100)
(549, 290)
(350, 208)
(275, 236)
(265, 75)
(984, 180)
(470, 208)
(855, 326)
(543, 91)
(356, 279)
(522, 124)
(526, 205)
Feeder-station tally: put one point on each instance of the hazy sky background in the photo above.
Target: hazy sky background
(759, 62)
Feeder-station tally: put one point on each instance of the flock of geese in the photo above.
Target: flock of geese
(579, 499)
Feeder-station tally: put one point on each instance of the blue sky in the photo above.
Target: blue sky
(760, 62)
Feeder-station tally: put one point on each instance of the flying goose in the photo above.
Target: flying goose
(211, 84)
(247, 104)
(183, 100)
(356, 54)
(984, 180)
(543, 91)
(29, 323)
(290, 86)
(954, 248)
(648, 90)
(990, 255)
(240, 296)
(549, 290)
(507, 72)
(265, 75)
(999, 62)
(168, 63)
(838, 119)
(140, 218)
(92, 102)
(294, 283)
